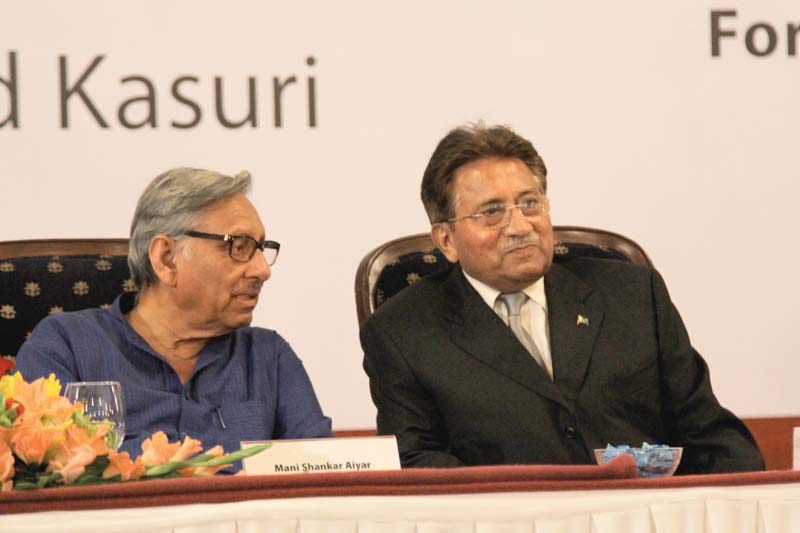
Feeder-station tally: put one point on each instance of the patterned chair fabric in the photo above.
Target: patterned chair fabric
(394, 266)
(41, 278)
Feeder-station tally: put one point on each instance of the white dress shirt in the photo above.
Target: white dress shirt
(533, 315)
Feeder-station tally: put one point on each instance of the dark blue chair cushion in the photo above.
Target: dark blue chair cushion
(32, 288)
(412, 267)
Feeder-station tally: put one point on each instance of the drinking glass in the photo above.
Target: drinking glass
(102, 400)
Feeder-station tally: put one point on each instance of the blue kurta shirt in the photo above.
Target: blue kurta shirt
(247, 385)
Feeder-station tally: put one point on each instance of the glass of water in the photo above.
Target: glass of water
(102, 400)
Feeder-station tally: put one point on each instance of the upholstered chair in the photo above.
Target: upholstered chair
(43, 277)
(392, 266)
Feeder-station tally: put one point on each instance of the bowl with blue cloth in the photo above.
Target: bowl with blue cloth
(652, 460)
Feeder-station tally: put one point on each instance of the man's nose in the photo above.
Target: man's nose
(518, 224)
(258, 267)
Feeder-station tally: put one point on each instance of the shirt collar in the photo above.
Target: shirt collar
(535, 291)
(123, 305)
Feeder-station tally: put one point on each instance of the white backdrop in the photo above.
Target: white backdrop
(644, 132)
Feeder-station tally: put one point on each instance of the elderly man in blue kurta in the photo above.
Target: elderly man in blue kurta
(182, 348)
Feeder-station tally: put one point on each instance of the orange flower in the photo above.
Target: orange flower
(6, 466)
(121, 464)
(188, 448)
(76, 436)
(37, 391)
(40, 400)
(70, 454)
(72, 465)
(33, 443)
(157, 450)
(7, 432)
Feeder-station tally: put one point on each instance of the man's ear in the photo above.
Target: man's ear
(162, 253)
(441, 234)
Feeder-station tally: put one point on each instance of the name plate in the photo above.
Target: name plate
(796, 458)
(350, 454)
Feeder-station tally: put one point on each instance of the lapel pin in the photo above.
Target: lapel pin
(582, 321)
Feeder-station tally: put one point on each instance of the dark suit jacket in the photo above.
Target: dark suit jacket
(451, 380)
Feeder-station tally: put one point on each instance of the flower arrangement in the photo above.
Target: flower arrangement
(45, 441)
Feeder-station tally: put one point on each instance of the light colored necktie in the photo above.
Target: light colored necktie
(514, 303)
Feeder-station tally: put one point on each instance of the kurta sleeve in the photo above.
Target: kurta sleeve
(299, 415)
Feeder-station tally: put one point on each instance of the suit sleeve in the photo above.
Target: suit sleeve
(405, 408)
(713, 438)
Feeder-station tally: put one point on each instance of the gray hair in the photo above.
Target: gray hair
(171, 205)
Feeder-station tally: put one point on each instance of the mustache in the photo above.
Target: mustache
(515, 241)
(252, 285)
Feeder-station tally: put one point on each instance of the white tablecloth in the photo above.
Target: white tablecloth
(739, 509)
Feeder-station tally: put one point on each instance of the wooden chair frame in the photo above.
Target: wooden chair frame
(54, 247)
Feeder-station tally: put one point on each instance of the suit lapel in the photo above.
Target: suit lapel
(477, 330)
(575, 319)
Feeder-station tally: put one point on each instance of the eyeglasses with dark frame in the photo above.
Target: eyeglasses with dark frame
(499, 215)
(242, 248)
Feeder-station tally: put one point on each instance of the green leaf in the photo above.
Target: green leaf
(201, 457)
(95, 480)
(97, 467)
(25, 485)
(26, 472)
(165, 468)
(47, 480)
(233, 457)
(112, 439)
(83, 421)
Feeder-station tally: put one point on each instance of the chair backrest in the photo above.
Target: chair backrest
(395, 265)
(43, 277)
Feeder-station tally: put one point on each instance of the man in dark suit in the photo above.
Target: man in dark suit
(510, 359)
